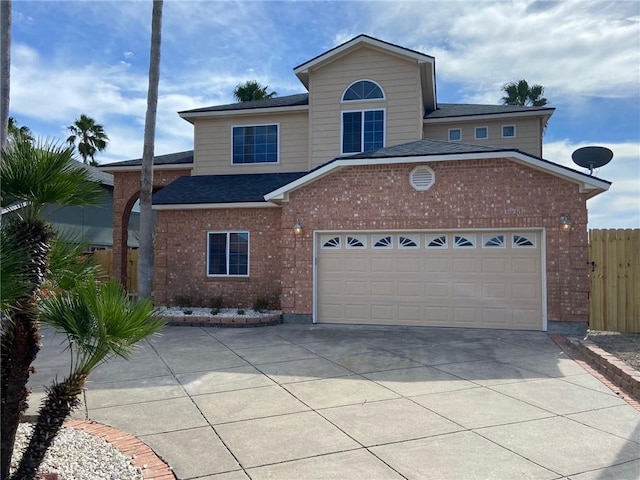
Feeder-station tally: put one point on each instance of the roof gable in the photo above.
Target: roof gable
(425, 62)
(423, 151)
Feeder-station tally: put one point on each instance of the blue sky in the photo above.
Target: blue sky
(91, 57)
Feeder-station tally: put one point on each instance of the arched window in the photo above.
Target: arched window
(363, 90)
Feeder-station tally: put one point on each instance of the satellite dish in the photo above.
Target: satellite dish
(592, 157)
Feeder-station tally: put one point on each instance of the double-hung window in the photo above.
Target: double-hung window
(228, 254)
(362, 130)
(255, 144)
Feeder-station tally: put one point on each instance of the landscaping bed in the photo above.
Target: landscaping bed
(625, 346)
(224, 317)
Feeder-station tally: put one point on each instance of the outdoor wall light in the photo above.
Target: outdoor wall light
(565, 221)
(297, 227)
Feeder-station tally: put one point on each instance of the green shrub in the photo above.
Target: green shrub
(260, 304)
(216, 303)
(240, 311)
(182, 301)
(187, 311)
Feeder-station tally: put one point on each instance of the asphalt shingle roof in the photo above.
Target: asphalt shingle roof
(178, 158)
(223, 188)
(446, 110)
(425, 147)
(287, 101)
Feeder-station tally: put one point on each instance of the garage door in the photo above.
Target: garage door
(449, 279)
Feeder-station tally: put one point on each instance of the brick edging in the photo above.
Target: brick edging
(151, 466)
(605, 367)
(239, 321)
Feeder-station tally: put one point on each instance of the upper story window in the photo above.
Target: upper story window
(455, 134)
(363, 90)
(255, 144)
(508, 131)
(482, 133)
(362, 131)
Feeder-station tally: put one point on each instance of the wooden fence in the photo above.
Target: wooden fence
(105, 259)
(614, 257)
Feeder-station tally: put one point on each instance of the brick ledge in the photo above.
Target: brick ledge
(151, 466)
(604, 366)
(239, 321)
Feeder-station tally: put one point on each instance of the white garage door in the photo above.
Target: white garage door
(449, 279)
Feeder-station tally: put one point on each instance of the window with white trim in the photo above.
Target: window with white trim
(356, 241)
(381, 241)
(481, 133)
(255, 144)
(436, 241)
(455, 134)
(362, 131)
(464, 241)
(492, 240)
(523, 240)
(228, 254)
(330, 242)
(408, 241)
(363, 90)
(508, 131)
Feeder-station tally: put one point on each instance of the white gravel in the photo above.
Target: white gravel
(78, 455)
(206, 312)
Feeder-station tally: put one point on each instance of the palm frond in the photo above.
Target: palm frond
(44, 173)
(100, 322)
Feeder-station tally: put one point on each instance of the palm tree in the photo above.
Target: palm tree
(5, 67)
(100, 322)
(252, 90)
(35, 175)
(145, 260)
(521, 93)
(18, 134)
(90, 137)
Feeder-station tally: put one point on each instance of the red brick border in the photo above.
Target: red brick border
(216, 321)
(151, 466)
(611, 371)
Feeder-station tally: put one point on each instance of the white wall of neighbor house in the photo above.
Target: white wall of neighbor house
(213, 142)
(527, 131)
(398, 77)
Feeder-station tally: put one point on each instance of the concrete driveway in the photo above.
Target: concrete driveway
(358, 402)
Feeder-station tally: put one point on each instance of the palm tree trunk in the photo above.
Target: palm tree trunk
(145, 262)
(62, 398)
(20, 340)
(5, 68)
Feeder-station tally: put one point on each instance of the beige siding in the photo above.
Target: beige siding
(527, 136)
(400, 80)
(213, 143)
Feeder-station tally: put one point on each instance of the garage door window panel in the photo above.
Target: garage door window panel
(523, 240)
(464, 241)
(382, 241)
(359, 241)
(228, 254)
(493, 241)
(330, 242)
(408, 241)
(436, 241)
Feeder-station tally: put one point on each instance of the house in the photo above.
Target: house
(91, 225)
(367, 201)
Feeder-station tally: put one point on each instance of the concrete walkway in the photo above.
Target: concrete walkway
(358, 402)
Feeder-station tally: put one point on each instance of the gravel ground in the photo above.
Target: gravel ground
(77, 455)
(625, 346)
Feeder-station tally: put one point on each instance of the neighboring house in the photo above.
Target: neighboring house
(91, 225)
(406, 211)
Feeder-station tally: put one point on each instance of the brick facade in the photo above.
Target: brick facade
(474, 194)
(125, 194)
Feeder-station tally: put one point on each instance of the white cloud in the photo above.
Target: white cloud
(570, 47)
